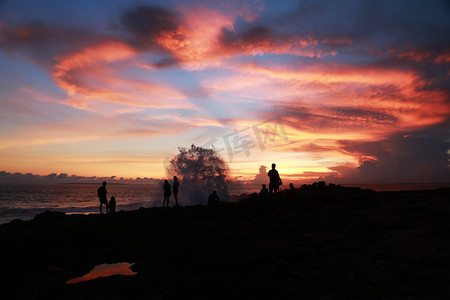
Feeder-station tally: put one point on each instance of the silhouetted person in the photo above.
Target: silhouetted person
(112, 205)
(167, 192)
(176, 185)
(291, 192)
(275, 180)
(101, 192)
(213, 199)
(264, 193)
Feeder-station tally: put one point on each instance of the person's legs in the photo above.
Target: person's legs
(271, 188)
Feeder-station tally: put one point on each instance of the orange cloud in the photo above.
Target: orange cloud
(195, 40)
(94, 73)
(205, 37)
(91, 57)
(359, 102)
(328, 74)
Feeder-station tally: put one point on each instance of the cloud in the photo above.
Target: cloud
(29, 178)
(261, 177)
(383, 21)
(346, 98)
(353, 71)
(261, 39)
(41, 42)
(399, 159)
(149, 24)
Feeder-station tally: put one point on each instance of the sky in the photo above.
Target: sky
(344, 91)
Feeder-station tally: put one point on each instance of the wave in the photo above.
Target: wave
(25, 214)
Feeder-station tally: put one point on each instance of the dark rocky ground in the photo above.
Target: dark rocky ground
(322, 243)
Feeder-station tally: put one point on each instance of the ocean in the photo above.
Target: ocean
(26, 201)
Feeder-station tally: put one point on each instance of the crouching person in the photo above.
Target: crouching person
(112, 205)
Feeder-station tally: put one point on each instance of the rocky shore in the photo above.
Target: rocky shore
(316, 242)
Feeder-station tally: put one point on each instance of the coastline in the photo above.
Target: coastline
(26, 201)
(320, 243)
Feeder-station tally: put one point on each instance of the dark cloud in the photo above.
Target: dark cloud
(399, 159)
(396, 34)
(252, 36)
(383, 21)
(166, 63)
(308, 146)
(326, 118)
(28, 178)
(431, 62)
(147, 23)
(43, 43)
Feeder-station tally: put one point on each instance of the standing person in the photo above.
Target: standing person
(176, 185)
(112, 205)
(213, 199)
(275, 180)
(101, 192)
(167, 193)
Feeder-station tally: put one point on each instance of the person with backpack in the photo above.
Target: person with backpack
(274, 180)
(101, 193)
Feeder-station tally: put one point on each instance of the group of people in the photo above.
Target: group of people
(111, 206)
(274, 187)
(167, 193)
(274, 184)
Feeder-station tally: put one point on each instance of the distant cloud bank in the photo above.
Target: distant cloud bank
(28, 178)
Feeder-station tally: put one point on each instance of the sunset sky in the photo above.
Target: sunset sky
(345, 91)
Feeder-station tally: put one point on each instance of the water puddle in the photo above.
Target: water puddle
(104, 270)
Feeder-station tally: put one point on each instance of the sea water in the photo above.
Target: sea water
(26, 201)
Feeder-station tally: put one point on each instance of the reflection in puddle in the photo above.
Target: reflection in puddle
(105, 270)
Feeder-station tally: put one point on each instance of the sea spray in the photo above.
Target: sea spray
(201, 171)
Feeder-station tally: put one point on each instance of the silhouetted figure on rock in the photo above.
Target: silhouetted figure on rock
(167, 192)
(101, 192)
(176, 185)
(264, 193)
(291, 193)
(275, 180)
(213, 199)
(112, 205)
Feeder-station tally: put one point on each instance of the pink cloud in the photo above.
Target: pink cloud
(94, 74)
